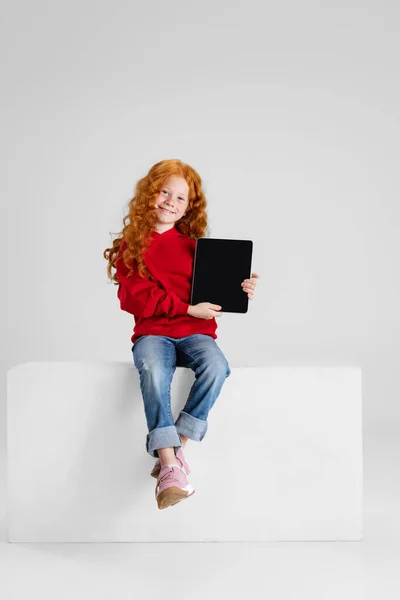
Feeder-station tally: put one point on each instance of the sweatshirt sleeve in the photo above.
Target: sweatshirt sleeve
(141, 297)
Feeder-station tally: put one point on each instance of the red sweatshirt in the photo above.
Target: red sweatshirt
(160, 307)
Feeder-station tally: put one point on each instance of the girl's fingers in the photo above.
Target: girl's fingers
(248, 282)
(253, 275)
(250, 293)
(248, 287)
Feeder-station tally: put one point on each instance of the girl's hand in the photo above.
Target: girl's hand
(204, 310)
(249, 285)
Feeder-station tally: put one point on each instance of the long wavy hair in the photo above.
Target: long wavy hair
(141, 217)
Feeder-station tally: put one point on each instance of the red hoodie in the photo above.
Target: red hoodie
(160, 307)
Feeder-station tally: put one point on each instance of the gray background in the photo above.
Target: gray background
(290, 113)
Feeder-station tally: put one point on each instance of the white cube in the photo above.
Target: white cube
(281, 460)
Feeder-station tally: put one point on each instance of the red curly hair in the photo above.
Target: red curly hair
(141, 218)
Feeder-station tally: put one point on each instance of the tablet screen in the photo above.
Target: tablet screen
(220, 266)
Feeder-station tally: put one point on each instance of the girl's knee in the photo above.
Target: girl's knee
(219, 367)
(152, 367)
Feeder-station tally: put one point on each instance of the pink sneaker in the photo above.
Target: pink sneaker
(181, 460)
(172, 486)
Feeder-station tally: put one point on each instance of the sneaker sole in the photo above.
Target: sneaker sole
(172, 496)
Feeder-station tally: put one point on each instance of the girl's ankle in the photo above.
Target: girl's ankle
(173, 462)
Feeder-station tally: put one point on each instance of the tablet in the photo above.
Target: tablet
(220, 266)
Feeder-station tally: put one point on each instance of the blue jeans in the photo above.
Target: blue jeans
(156, 357)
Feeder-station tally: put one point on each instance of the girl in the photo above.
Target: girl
(154, 263)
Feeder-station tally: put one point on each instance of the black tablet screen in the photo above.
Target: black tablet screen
(220, 266)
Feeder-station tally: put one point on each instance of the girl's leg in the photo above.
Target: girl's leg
(167, 456)
(202, 354)
(155, 359)
(184, 439)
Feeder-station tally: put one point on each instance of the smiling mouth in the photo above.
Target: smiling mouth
(165, 210)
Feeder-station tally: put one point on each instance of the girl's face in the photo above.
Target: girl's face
(172, 202)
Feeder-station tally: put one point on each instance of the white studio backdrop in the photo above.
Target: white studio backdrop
(290, 114)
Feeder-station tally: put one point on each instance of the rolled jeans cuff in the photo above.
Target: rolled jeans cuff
(192, 427)
(162, 437)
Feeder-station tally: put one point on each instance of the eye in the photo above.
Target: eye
(164, 191)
